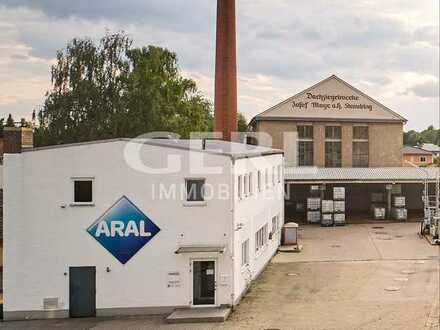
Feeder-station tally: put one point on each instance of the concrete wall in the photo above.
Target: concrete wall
(386, 142)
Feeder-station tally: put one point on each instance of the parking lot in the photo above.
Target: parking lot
(355, 277)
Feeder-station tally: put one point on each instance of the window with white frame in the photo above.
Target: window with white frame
(279, 173)
(276, 224)
(305, 145)
(246, 185)
(360, 146)
(245, 253)
(239, 186)
(195, 190)
(260, 183)
(251, 186)
(273, 175)
(82, 191)
(260, 238)
(266, 178)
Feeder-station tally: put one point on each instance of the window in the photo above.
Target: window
(266, 178)
(251, 187)
(273, 176)
(275, 224)
(240, 188)
(260, 238)
(423, 159)
(83, 191)
(333, 147)
(246, 185)
(333, 132)
(279, 173)
(360, 146)
(245, 253)
(305, 145)
(195, 190)
(259, 179)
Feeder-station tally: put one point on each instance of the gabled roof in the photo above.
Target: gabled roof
(430, 147)
(415, 151)
(361, 108)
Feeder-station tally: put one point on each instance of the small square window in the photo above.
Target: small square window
(195, 190)
(83, 191)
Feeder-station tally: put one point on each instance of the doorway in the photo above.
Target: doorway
(82, 291)
(204, 282)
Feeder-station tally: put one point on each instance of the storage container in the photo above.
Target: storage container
(379, 213)
(327, 220)
(327, 206)
(339, 219)
(399, 201)
(313, 204)
(290, 233)
(339, 206)
(313, 216)
(338, 193)
(399, 213)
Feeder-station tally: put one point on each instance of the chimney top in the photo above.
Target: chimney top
(15, 139)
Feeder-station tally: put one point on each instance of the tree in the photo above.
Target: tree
(10, 121)
(110, 89)
(429, 135)
(242, 123)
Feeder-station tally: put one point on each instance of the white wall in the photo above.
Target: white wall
(253, 212)
(42, 239)
(1, 176)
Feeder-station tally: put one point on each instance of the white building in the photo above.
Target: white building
(87, 231)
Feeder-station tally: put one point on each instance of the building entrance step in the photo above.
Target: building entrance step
(199, 315)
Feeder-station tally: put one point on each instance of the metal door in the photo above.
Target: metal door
(82, 291)
(204, 282)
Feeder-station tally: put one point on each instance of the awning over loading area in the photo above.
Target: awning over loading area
(313, 175)
(200, 249)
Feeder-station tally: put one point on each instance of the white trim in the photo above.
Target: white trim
(73, 179)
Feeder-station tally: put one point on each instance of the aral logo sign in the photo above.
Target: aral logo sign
(123, 230)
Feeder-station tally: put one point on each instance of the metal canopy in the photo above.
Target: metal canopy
(200, 249)
(297, 175)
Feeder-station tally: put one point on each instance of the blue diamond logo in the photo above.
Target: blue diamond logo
(123, 230)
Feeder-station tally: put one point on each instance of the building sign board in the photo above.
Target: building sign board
(123, 230)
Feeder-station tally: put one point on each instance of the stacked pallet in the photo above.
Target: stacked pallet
(327, 213)
(313, 210)
(399, 210)
(339, 206)
(378, 206)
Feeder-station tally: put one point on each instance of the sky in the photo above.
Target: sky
(389, 49)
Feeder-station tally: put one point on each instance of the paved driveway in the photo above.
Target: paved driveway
(354, 277)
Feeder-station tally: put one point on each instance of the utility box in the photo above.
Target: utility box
(290, 233)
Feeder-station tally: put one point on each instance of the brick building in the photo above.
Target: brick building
(416, 156)
(335, 135)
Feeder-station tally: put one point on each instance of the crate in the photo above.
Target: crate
(399, 213)
(339, 206)
(379, 213)
(313, 216)
(399, 201)
(313, 204)
(327, 206)
(339, 219)
(339, 193)
(327, 220)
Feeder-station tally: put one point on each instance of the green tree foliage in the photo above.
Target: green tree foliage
(242, 123)
(111, 89)
(429, 135)
(10, 121)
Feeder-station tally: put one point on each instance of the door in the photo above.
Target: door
(82, 291)
(204, 282)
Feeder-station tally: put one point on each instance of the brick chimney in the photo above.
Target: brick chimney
(17, 138)
(225, 107)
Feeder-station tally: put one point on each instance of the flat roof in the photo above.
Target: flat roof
(306, 175)
(233, 150)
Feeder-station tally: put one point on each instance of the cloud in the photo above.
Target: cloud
(386, 48)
